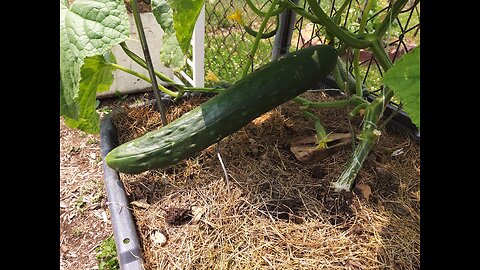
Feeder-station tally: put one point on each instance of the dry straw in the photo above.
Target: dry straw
(278, 212)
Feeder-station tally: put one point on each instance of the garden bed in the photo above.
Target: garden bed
(275, 211)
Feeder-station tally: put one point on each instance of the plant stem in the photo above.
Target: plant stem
(143, 41)
(356, 52)
(343, 35)
(203, 89)
(354, 100)
(337, 76)
(380, 55)
(368, 138)
(143, 77)
(365, 13)
(251, 54)
(321, 133)
(356, 70)
(143, 64)
(391, 15)
(369, 134)
(270, 34)
(301, 11)
(263, 14)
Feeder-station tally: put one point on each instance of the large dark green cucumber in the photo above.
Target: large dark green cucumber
(257, 93)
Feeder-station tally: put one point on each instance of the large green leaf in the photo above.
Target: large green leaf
(94, 26)
(404, 79)
(97, 76)
(185, 14)
(69, 70)
(171, 54)
(87, 28)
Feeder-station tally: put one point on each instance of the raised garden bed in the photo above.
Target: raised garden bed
(274, 211)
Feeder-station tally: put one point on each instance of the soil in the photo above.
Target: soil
(274, 212)
(84, 220)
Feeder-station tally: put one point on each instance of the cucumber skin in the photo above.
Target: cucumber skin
(260, 91)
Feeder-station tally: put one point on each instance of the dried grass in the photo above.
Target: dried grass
(275, 213)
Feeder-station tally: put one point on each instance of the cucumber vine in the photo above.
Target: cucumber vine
(351, 85)
(89, 29)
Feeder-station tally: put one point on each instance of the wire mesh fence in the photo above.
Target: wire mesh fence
(403, 35)
(227, 44)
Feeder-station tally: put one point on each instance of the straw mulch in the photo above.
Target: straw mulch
(275, 212)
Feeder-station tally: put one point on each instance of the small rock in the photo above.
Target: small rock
(158, 238)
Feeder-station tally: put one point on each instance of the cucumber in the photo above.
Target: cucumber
(260, 91)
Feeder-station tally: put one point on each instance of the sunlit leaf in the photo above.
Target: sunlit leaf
(87, 28)
(97, 76)
(171, 54)
(404, 79)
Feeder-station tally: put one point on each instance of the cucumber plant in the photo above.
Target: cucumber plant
(89, 29)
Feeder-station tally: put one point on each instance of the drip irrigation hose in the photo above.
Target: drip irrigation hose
(124, 230)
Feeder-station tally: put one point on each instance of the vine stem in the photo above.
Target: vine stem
(368, 137)
(137, 59)
(143, 77)
(252, 52)
(393, 13)
(148, 60)
(356, 53)
(354, 100)
(164, 89)
(343, 35)
(374, 111)
(263, 14)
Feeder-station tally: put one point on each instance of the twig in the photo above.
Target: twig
(119, 204)
(217, 148)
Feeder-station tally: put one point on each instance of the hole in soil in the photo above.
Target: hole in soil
(126, 241)
(178, 216)
(285, 209)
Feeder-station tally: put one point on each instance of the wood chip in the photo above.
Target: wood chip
(365, 190)
(141, 203)
(305, 148)
(197, 213)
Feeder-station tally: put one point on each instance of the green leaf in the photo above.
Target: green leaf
(171, 54)
(97, 76)
(87, 28)
(185, 14)
(404, 78)
(69, 70)
(94, 26)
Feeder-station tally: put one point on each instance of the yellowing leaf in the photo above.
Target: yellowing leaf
(404, 79)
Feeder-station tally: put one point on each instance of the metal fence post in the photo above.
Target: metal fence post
(283, 36)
